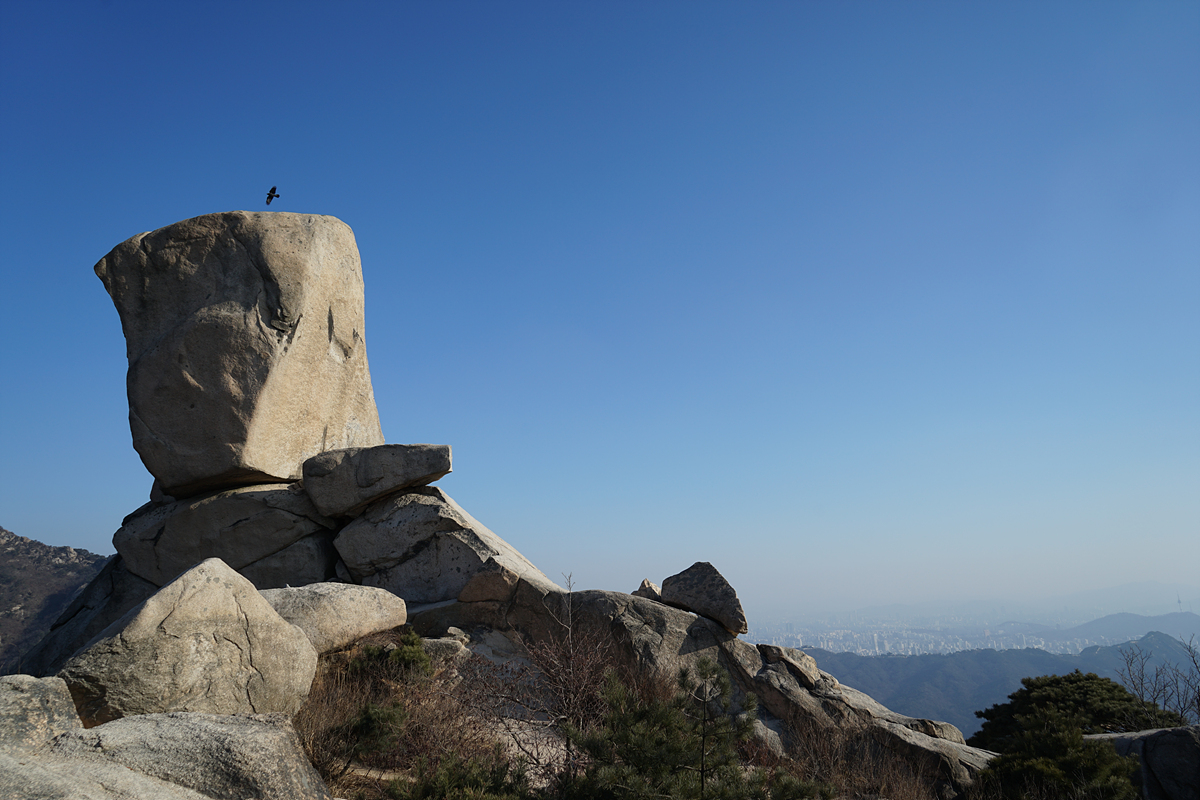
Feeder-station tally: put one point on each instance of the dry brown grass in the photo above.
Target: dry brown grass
(420, 719)
(854, 763)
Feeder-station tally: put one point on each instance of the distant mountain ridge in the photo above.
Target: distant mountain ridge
(952, 687)
(37, 581)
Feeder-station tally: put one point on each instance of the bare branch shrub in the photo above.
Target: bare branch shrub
(370, 720)
(1172, 687)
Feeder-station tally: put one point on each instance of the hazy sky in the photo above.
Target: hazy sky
(861, 302)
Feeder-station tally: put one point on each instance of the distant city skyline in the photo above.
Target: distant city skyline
(862, 303)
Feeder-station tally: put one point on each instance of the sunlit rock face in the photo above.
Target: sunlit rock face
(247, 356)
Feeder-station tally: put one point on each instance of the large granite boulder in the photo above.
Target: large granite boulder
(422, 546)
(702, 589)
(271, 534)
(106, 599)
(343, 482)
(1169, 760)
(205, 642)
(332, 615)
(244, 333)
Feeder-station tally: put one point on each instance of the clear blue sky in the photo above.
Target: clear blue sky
(861, 302)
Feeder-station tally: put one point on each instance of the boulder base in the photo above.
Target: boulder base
(205, 642)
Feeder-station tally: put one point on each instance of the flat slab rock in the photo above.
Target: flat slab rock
(244, 333)
(342, 482)
(206, 642)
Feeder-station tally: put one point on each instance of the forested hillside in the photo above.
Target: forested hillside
(953, 687)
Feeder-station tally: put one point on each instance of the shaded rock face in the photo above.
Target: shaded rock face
(342, 482)
(1169, 760)
(205, 642)
(332, 615)
(244, 333)
(702, 589)
(109, 596)
(423, 547)
(250, 528)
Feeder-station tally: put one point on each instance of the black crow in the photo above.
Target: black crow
(271, 195)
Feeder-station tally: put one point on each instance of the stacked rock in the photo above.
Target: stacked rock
(250, 403)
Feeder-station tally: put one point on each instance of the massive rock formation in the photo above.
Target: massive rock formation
(247, 356)
(251, 404)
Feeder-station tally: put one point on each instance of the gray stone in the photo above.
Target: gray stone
(244, 333)
(420, 545)
(493, 581)
(1169, 760)
(164, 757)
(103, 601)
(34, 711)
(250, 528)
(648, 590)
(332, 615)
(205, 642)
(702, 589)
(232, 756)
(343, 482)
(652, 638)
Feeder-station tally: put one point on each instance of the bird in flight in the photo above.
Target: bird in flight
(271, 195)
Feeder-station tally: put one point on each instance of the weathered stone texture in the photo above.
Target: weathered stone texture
(332, 615)
(702, 589)
(249, 528)
(206, 642)
(244, 333)
(420, 545)
(342, 482)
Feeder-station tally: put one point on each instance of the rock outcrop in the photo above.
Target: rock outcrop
(281, 525)
(422, 546)
(343, 482)
(702, 589)
(205, 642)
(45, 753)
(653, 638)
(332, 615)
(244, 333)
(1169, 760)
